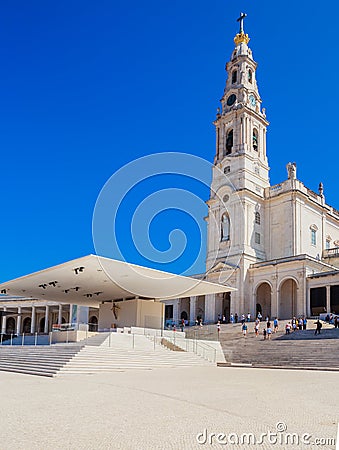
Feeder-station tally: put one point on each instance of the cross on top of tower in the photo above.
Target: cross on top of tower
(241, 36)
(241, 20)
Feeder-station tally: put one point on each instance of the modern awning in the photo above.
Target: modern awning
(93, 279)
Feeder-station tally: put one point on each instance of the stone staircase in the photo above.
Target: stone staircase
(299, 350)
(123, 352)
(204, 333)
(104, 352)
(36, 360)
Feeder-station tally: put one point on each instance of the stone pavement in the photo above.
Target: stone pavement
(166, 408)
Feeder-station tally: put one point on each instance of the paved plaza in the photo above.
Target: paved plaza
(167, 408)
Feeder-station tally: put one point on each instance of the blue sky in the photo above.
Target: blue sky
(86, 87)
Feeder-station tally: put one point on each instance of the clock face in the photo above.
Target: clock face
(231, 99)
(252, 100)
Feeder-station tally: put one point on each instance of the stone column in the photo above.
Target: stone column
(308, 302)
(60, 315)
(176, 310)
(18, 322)
(33, 320)
(3, 325)
(210, 308)
(328, 299)
(193, 309)
(70, 313)
(46, 319)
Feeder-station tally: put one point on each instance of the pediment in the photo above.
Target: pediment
(221, 267)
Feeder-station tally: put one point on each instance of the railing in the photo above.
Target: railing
(335, 211)
(331, 252)
(74, 326)
(276, 187)
(202, 349)
(312, 194)
(177, 338)
(25, 339)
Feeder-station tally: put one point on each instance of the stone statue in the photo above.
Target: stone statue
(291, 171)
(321, 189)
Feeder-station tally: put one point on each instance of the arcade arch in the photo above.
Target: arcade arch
(264, 299)
(288, 299)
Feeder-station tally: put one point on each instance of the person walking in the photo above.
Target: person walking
(269, 333)
(236, 317)
(300, 323)
(264, 332)
(276, 324)
(244, 329)
(218, 328)
(304, 323)
(318, 328)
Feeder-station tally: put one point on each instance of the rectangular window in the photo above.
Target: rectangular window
(313, 237)
(257, 238)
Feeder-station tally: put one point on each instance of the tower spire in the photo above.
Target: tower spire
(241, 36)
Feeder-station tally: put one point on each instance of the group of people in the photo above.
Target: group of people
(234, 318)
(267, 330)
(333, 319)
(296, 324)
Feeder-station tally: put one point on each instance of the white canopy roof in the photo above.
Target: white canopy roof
(93, 279)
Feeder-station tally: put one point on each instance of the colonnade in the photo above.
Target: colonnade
(20, 314)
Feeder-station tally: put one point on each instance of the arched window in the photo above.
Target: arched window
(229, 142)
(10, 325)
(255, 139)
(26, 327)
(313, 237)
(93, 324)
(314, 230)
(257, 218)
(234, 76)
(225, 227)
(250, 76)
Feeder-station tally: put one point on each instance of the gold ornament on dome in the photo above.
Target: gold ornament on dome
(241, 37)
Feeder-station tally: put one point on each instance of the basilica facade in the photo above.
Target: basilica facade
(277, 245)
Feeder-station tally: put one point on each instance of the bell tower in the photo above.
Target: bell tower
(241, 122)
(236, 218)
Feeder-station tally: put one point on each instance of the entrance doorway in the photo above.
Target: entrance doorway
(335, 299)
(184, 315)
(93, 323)
(168, 315)
(264, 300)
(42, 325)
(10, 325)
(288, 299)
(226, 306)
(318, 300)
(26, 326)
